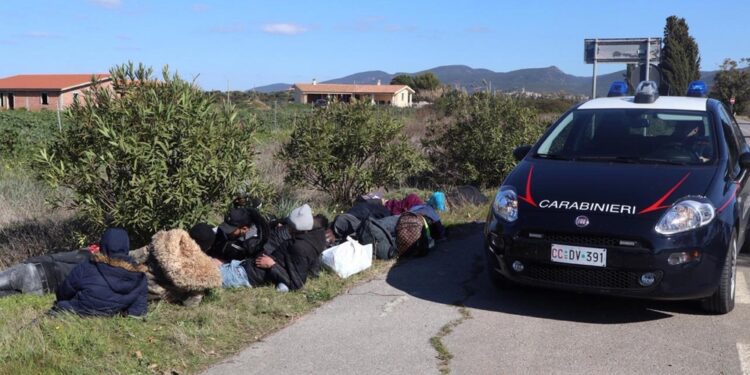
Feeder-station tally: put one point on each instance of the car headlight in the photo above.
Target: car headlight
(505, 205)
(684, 216)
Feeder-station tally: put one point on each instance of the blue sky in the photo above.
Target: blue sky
(242, 44)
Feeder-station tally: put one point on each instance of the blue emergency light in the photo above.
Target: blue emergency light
(618, 88)
(697, 89)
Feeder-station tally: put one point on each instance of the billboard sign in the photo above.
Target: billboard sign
(622, 50)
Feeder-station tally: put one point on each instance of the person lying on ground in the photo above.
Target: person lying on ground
(289, 265)
(42, 274)
(242, 235)
(369, 205)
(179, 271)
(110, 283)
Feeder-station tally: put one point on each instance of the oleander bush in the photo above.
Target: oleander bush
(147, 154)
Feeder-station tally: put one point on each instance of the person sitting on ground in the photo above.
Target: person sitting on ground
(289, 265)
(179, 271)
(110, 283)
(242, 235)
(42, 274)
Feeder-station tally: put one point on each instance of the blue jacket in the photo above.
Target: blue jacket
(109, 284)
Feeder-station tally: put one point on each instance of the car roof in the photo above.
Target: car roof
(662, 102)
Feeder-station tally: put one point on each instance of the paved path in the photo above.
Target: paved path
(385, 326)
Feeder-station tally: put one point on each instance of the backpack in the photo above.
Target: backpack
(413, 235)
(372, 231)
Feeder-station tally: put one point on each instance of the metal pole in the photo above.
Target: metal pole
(593, 82)
(648, 56)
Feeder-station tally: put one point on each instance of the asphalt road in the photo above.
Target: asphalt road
(385, 326)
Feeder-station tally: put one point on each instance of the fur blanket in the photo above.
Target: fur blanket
(183, 262)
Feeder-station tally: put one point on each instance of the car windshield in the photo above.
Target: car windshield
(632, 136)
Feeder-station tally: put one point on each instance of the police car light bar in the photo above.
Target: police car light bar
(697, 89)
(646, 92)
(618, 88)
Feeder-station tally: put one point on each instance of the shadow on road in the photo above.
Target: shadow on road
(455, 273)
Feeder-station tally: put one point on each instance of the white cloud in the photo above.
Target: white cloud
(284, 29)
(109, 4)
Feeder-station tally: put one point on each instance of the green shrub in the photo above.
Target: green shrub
(148, 154)
(472, 140)
(23, 133)
(347, 149)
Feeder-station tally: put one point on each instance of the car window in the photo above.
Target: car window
(732, 140)
(632, 135)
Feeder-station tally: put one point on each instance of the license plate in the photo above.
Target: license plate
(587, 256)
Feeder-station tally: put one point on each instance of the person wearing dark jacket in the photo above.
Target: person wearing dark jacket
(291, 263)
(110, 283)
(242, 235)
(42, 274)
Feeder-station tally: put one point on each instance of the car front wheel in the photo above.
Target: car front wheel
(722, 301)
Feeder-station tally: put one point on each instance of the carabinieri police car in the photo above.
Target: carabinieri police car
(639, 196)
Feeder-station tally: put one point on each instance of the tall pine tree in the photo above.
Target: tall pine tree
(680, 60)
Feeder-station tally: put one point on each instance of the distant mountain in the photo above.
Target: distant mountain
(543, 80)
(272, 88)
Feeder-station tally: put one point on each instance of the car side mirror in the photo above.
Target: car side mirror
(745, 160)
(520, 152)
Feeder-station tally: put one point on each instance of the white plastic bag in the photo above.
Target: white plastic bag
(347, 258)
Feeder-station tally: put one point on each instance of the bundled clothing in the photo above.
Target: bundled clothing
(110, 283)
(296, 259)
(397, 207)
(178, 270)
(42, 274)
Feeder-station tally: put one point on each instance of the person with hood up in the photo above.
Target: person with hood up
(110, 283)
(289, 265)
(179, 271)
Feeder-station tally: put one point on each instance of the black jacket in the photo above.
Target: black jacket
(295, 259)
(362, 210)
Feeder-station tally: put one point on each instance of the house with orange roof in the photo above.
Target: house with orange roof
(395, 95)
(45, 91)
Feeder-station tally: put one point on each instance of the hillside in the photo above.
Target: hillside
(544, 80)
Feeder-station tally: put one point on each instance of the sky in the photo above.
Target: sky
(239, 44)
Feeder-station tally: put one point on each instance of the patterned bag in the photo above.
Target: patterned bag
(412, 235)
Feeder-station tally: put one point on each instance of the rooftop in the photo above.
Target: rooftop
(343, 88)
(662, 102)
(48, 81)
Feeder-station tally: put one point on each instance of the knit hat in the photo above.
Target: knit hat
(203, 235)
(301, 218)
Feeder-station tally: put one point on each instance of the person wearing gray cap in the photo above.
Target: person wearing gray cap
(289, 265)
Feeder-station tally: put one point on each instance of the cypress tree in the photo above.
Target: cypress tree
(680, 60)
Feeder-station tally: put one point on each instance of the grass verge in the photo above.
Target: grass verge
(171, 339)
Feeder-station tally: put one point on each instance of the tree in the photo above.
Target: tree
(473, 141)
(345, 150)
(426, 81)
(149, 154)
(422, 82)
(403, 79)
(733, 82)
(680, 60)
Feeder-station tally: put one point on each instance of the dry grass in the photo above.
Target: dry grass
(28, 227)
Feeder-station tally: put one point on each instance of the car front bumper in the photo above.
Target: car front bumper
(628, 258)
